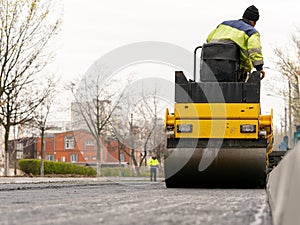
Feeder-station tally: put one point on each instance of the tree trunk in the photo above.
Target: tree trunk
(98, 168)
(136, 166)
(6, 163)
(98, 158)
(42, 153)
(119, 153)
(137, 170)
(42, 168)
(6, 152)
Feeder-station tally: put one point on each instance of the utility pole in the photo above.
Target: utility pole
(290, 117)
(281, 130)
(131, 132)
(285, 121)
(131, 136)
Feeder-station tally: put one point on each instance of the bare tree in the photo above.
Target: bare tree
(41, 114)
(147, 109)
(141, 126)
(288, 64)
(26, 29)
(150, 110)
(93, 107)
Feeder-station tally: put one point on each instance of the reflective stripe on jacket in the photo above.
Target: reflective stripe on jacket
(153, 162)
(245, 36)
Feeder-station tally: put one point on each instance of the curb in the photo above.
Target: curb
(23, 180)
(283, 189)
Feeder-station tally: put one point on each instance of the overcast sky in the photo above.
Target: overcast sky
(92, 28)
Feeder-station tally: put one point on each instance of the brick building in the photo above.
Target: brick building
(76, 146)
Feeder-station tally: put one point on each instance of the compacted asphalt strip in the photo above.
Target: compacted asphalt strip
(131, 201)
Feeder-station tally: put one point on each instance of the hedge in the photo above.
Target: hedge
(33, 166)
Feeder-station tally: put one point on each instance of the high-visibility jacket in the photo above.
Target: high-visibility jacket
(246, 37)
(153, 162)
(283, 146)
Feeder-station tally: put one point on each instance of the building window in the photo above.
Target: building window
(88, 143)
(19, 150)
(69, 142)
(19, 146)
(63, 159)
(122, 157)
(50, 157)
(86, 158)
(74, 158)
(94, 158)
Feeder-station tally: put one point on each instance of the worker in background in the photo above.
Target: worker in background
(242, 33)
(153, 163)
(284, 145)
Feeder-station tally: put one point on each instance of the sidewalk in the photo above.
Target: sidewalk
(16, 180)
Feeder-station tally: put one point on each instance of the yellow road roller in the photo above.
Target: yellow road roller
(216, 136)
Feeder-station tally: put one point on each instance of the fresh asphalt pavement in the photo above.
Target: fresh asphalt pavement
(131, 201)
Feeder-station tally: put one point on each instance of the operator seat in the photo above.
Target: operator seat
(220, 62)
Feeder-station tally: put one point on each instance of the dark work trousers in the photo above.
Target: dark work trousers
(153, 172)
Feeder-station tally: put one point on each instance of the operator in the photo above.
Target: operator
(153, 163)
(242, 33)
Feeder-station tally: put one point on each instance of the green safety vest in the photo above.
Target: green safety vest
(153, 162)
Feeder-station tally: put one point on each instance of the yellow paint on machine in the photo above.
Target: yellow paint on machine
(216, 129)
(217, 110)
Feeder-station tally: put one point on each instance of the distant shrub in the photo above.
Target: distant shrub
(30, 166)
(33, 166)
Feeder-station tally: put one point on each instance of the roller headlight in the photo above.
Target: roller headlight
(184, 128)
(248, 128)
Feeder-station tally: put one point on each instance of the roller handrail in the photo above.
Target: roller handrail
(195, 56)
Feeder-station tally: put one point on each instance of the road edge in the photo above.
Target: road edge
(283, 189)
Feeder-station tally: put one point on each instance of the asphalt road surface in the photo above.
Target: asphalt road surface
(129, 202)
